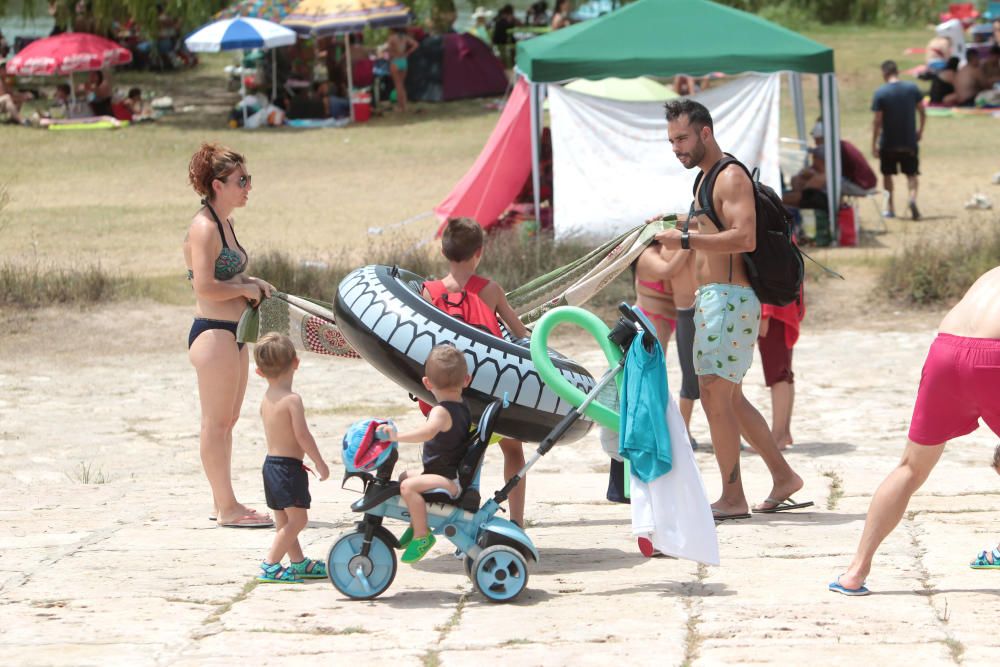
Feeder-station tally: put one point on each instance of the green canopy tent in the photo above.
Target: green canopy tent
(668, 37)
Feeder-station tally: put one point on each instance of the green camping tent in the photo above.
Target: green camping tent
(667, 37)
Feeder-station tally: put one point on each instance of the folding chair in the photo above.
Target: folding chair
(854, 193)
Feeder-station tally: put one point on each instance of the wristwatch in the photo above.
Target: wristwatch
(685, 241)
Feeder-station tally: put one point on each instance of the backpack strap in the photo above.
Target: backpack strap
(476, 284)
(435, 288)
(703, 194)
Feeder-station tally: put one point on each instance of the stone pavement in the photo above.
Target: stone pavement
(131, 572)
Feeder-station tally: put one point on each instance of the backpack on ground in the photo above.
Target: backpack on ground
(775, 267)
(465, 305)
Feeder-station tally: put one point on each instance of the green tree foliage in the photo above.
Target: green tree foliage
(844, 11)
(190, 13)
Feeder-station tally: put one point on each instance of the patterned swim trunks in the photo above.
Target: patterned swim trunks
(726, 321)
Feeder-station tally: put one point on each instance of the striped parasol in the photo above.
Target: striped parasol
(335, 17)
(271, 10)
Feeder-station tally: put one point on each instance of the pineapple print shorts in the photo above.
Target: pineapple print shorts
(726, 320)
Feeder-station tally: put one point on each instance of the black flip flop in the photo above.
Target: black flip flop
(783, 505)
(720, 517)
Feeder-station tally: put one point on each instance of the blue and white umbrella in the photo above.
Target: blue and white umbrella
(242, 33)
(239, 33)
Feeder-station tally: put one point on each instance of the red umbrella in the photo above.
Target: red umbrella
(67, 53)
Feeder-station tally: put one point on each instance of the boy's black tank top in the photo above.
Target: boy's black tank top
(444, 452)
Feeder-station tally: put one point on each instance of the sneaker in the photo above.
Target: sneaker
(888, 214)
(914, 211)
(418, 548)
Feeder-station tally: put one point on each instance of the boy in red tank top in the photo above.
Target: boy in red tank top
(480, 302)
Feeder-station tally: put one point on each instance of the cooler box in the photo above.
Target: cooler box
(361, 105)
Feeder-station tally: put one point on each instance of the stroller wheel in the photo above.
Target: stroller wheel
(500, 573)
(357, 576)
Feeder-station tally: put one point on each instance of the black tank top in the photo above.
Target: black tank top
(444, 452)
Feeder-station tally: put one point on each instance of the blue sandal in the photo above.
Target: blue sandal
(987, 561)
(274, 573)
(837, 587)
(308, 568)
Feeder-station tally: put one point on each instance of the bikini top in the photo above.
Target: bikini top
(229, 263)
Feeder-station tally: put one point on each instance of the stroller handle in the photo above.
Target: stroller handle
(628, 326)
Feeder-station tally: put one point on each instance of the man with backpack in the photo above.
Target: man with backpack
(745, 256)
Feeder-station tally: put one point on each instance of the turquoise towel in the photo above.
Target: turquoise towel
(643, 438)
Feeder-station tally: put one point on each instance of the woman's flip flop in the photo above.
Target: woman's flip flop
(249, 520)
(837, 587)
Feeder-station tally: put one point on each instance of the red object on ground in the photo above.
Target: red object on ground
(848, 230)
(361, 100)
(67, 53)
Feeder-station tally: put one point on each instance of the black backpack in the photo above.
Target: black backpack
(775, 267)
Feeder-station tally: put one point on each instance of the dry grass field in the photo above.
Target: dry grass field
(121, 199)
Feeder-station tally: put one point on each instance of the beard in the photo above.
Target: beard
(694, 158)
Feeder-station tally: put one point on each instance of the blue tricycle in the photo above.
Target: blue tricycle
(362, 563)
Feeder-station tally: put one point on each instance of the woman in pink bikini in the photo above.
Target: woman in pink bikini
(653, 298)
(665, 285)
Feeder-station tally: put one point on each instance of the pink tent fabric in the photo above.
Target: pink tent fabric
(500, 170)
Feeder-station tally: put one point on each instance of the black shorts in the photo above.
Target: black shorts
(907, 160)
(286, 483)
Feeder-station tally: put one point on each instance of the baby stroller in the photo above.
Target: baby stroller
(362, 563)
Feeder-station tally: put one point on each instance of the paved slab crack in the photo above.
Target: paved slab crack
(692, 609)
(955, 648)
(45, 564)
(432, 657)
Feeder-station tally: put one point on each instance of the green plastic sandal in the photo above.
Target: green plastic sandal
(406, 537)
(308, 568)
(274, 573)
(418, 548)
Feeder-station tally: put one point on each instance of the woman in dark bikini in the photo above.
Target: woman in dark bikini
(216, 265)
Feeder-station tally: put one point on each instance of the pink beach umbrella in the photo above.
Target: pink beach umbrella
(67, 53)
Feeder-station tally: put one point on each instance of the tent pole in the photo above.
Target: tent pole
(795, 84)
(536, 176)
(350, 74)
(243, 88)
(831, 146)
(274, 75)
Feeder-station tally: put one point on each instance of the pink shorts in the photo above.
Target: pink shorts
(959, 384)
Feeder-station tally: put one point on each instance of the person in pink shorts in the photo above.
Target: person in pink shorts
(958, 387)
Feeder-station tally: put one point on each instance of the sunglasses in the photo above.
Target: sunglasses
(244, 181)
